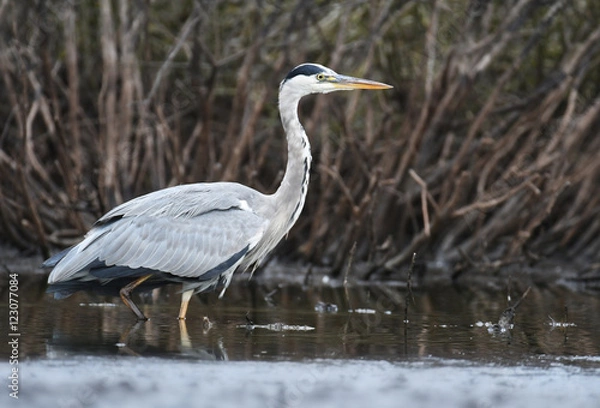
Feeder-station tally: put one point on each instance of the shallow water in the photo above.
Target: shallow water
(308, 342)
(271, 322)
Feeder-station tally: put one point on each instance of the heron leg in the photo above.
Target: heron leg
(185, 301)
(125, 293)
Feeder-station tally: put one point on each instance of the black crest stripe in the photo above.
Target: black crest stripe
(305, 69)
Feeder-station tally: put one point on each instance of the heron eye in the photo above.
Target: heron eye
(321, 76)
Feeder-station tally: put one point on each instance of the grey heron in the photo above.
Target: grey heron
(199, 234)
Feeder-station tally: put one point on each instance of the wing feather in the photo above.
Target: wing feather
(137, 252)
(143, 254)
(114, 245)
(187, 231)
(193, 255)
(181, 247)
(183, 253)
(163, 249)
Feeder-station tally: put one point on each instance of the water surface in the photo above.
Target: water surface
(291, 322)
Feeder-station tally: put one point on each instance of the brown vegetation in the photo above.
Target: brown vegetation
(485, 153)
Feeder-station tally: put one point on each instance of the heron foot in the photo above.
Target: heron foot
(125, 294)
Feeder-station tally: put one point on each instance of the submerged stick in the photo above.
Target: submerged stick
(408, 294)
(349, 264)
(409, 287)
(507, 317)
(347, 272)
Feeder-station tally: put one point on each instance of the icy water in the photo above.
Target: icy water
(268, 345)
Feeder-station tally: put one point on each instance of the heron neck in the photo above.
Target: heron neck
(291, 194)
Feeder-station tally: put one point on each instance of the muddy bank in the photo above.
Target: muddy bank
(134, 382)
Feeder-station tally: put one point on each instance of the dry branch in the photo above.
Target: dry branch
(485, 150)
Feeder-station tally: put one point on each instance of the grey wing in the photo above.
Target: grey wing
(191, 247)
(186, 201)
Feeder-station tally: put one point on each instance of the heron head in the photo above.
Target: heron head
(314, 78)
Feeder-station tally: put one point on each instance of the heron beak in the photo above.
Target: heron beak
(346, 82)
